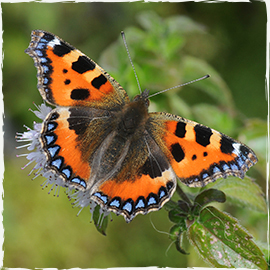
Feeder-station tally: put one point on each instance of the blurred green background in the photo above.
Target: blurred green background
(227, 40)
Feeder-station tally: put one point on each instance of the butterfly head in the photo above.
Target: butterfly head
(143, 98)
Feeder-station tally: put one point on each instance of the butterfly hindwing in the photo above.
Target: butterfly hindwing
(70, 136)
(199, 154)
(144, 182)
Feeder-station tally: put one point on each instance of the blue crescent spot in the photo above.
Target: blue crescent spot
(43, 60)
(45, 69)
(45, 80)
(44, 40)
(216, 169)
(127, 206)
(53, 150)
(140, 204)
(240, 162)
(57, 163)
(162, 194)
(115, 203)
(41, 45)
(234, 167)
(205, 175)
(151, 200)
(225, 167)
(243, 156)
(97, 194)
(82, 183)
(102, 197)
(49, 139)
(39, 53)
(76, 180)
(66, 172)
(50, 127)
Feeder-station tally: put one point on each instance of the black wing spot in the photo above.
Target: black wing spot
(62, 49)
(203, 135)
(83, 64)
(67, 81)
(180, 130)
(79, 94)
(177, 152)
(226, 145)
(48, 37)
(99, 81)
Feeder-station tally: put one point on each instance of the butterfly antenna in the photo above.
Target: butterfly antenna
(180, 85)
(125, 43)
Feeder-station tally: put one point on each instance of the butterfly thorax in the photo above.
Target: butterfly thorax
(133, 117)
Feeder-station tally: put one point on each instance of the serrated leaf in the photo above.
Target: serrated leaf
(222, 242)
(243, 192)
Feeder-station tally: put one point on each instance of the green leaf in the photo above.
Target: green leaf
(207, 196)
(176, 234)
(183, 24)
(265, 249)
(214, 86)
(100, 220)
(180, 212)
(222, 242)
(150, 21)
(243, 192)
(170, 205)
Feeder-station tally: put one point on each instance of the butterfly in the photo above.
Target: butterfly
(125, 159)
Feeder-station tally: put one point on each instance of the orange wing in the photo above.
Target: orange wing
(67, 77)
(199, 154)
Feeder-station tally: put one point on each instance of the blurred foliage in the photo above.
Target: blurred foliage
(225, 40)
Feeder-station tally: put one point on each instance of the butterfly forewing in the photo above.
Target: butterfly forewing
(199, 154)
(78, 79)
